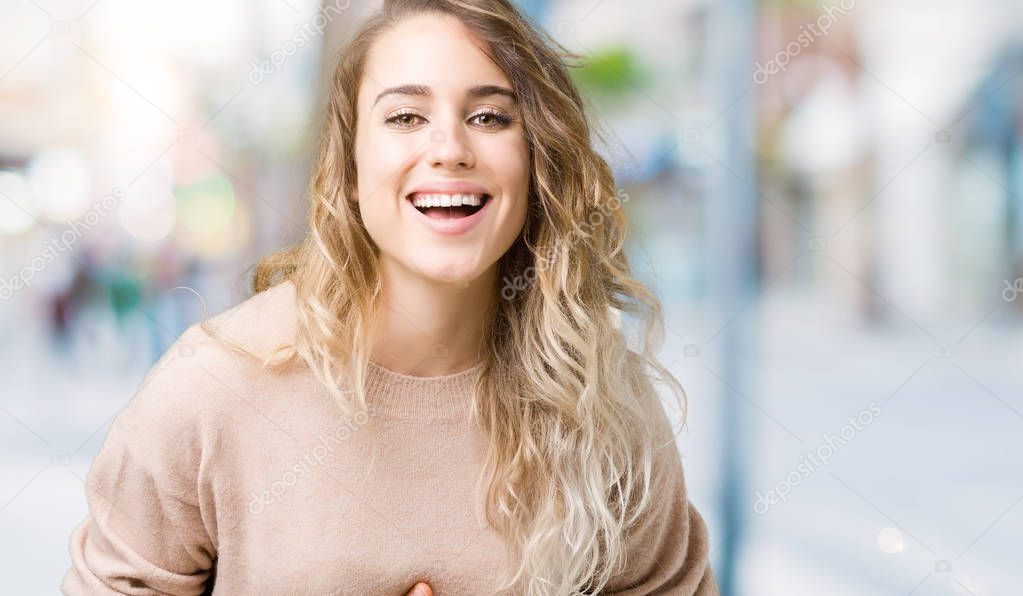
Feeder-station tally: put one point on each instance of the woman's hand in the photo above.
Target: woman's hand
(420, 589)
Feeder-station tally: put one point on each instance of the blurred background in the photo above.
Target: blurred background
(827, 196)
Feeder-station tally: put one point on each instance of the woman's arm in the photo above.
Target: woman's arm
(145, 533)
(669, 546)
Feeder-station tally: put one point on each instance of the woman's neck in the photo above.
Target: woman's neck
(426, 327)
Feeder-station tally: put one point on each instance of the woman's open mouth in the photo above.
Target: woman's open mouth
(448, 206)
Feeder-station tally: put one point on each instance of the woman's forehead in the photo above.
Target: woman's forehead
(432, 51)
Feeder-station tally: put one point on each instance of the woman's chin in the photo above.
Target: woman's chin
(451, 270)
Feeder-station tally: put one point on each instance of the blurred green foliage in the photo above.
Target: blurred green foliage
(610, 73)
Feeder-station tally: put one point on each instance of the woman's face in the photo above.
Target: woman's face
(436, 124)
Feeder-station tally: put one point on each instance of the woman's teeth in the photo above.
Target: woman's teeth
(447, 200)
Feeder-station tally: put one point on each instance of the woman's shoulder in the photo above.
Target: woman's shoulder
(260, 323)
(199, 378)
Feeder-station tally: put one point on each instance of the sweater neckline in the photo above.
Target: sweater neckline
(399, 395)
(403, 376)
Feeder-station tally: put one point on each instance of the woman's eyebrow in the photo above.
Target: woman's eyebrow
(475, 92)
(480, 91)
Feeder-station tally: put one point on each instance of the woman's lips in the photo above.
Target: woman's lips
(446, 220)
(450, 211)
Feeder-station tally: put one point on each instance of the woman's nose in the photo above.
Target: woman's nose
(448, 147)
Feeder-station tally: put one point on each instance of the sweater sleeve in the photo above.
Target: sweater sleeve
(668, 547)
(145, 533)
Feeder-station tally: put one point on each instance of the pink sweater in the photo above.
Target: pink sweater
(218, 477)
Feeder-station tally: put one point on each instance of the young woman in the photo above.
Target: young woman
(435, 390)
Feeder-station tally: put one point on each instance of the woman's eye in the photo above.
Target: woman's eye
(488, 119)
(491, 119)
(404, 119)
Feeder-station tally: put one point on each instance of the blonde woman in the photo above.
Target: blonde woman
(432, 392)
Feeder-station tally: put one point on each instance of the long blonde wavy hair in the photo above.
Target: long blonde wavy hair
(562, 398)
